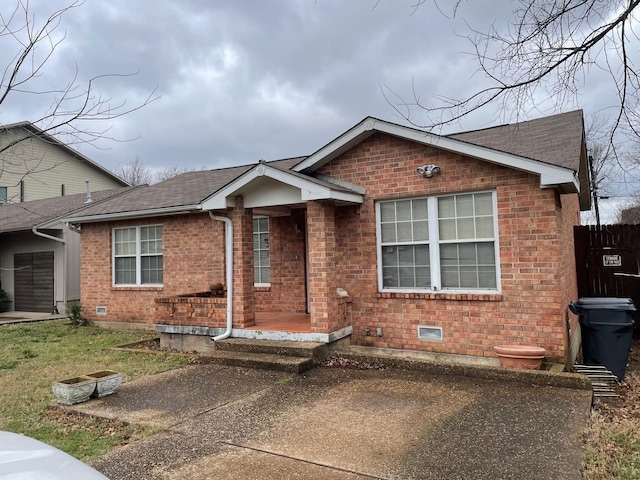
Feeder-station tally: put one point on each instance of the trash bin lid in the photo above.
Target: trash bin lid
(605, 303)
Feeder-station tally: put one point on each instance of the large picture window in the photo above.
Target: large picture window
(261, 260)
(438, 243)
(137, 255)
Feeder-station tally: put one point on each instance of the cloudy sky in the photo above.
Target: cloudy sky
(238, 81)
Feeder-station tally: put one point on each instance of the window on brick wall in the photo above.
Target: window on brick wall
(447, 243)
(137, 255)
(261, 260)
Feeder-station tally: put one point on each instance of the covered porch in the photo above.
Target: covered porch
(284, 283)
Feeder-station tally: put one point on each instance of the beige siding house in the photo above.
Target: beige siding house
(35, 165)
(39, 254)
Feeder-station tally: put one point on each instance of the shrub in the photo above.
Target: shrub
(4, 301)
(74, 310)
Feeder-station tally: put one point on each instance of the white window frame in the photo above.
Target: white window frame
(138, 257)
(434, 246)
(257, 217)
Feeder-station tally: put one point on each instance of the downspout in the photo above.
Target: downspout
(228, 260)
(64, 263)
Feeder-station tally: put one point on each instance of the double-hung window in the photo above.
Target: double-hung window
(438, 243)
(261, 260)
(137, 255)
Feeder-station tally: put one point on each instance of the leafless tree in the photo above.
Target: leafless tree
(549, 49)
(170, 172)
(30, 43)
(135, 172)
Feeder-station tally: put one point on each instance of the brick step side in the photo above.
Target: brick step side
(316, 351)
(265, 361)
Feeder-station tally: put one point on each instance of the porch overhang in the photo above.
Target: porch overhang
(266, 186)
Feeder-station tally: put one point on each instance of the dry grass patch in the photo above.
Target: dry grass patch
(612, 439)
(33, 356)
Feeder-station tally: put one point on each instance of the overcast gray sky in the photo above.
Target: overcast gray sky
(246, 80)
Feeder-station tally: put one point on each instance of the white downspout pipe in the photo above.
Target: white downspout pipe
(228, 260)
(65, 269)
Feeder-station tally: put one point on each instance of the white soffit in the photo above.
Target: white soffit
(550, 175)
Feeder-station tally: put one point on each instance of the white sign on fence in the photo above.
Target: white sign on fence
(612, 260)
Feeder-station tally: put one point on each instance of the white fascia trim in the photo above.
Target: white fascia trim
(155, 212)
(308, 190)
(550, 175)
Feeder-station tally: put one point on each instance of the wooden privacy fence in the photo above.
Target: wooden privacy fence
(608, 261)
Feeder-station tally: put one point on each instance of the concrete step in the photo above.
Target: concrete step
(265, 361)
(316, 351)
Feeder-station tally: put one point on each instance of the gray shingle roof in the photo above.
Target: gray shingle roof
(187, 189)
(556, 139)
(22, 216)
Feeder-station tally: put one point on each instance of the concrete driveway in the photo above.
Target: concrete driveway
(233, 423)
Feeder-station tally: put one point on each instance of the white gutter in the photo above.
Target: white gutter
(65, 270)
(228, 260)
(153, 212)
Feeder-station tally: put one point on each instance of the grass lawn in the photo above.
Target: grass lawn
(34, 355)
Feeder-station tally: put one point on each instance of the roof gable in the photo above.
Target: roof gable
(35, 132)
(265, 185)
(551, 174)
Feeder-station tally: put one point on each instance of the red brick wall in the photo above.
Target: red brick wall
(535, 254)
(287, 292)
(193, 256)
(569, 215)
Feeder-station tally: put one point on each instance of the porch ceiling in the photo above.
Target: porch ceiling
(267, 186)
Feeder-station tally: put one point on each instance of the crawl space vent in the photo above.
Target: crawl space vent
(433, 334)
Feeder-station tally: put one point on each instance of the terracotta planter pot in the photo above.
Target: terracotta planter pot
(107, 382)
(74, 390)
(520, 356)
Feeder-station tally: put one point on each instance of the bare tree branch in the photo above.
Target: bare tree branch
(550, 48)
(32, 44)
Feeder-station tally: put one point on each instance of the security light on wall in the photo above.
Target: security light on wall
(428, 171)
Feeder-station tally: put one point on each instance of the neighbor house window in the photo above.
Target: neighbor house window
(438, 243)
(261, 263)
(3, 195)
(137, 255)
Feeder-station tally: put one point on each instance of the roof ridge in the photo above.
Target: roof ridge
(514, 124)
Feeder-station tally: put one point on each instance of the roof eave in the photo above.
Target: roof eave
(154, 212)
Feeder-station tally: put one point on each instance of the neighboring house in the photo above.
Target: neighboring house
(35, 165)
(39, 254)
(390, 236)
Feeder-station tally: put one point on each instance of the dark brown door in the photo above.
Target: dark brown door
(33, 282)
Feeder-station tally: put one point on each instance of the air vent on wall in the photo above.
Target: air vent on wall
(433, 334)
(101, 310)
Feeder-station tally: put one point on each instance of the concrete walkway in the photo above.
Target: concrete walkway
(233, 423)
(8, 318)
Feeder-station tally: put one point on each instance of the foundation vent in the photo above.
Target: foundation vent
(101, 310)
(433, 334)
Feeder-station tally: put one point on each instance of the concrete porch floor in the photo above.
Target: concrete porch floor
(282, 322)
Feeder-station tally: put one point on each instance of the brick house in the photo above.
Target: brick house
(387, 236)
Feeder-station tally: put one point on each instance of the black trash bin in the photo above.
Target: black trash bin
(607, 330)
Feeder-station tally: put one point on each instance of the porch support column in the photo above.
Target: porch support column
(322, 265)
(243, 302)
